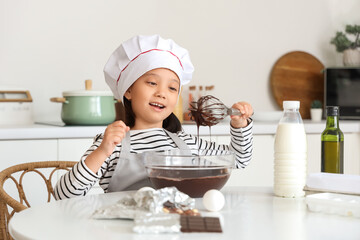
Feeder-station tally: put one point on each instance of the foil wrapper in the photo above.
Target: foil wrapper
(153, 201)
(146, 208)
(125, 209)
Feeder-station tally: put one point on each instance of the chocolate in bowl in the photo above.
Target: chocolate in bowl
(193, 174)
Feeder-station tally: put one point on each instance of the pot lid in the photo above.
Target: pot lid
(87, 93)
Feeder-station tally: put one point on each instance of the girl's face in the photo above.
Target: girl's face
(153, 97)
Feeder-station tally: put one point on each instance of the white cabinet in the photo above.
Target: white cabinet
(261, 168)
(73, 150)
(314, 153)
(259, 172)
(351, 153)
(20, 151)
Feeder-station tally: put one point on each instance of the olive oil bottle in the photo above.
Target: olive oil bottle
(332, 143)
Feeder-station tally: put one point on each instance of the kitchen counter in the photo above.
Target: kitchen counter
(58, 131)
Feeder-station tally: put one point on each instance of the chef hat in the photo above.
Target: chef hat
(141, 54)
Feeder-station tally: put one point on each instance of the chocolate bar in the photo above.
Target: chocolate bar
(199, 224)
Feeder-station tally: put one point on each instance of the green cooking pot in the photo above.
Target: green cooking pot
(87, 107)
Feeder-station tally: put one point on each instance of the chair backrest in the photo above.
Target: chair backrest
(15, 174)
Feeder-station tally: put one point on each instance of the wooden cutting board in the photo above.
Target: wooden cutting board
(298, 76)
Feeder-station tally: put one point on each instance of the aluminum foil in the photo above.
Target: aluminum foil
(153, 201)
(146, 208)
(125, 209)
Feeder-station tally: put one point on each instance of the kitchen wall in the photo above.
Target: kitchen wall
(49, 47)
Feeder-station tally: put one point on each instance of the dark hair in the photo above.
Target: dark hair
(171, 123)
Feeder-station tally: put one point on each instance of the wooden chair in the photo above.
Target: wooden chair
(8, 205)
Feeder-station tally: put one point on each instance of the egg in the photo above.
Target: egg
(213, 200)
(146, 189)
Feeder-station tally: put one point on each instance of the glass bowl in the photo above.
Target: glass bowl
(193, 173)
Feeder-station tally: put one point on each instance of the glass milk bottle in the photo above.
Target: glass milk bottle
(290, 153)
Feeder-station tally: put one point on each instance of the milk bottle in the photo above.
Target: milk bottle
(290, 153)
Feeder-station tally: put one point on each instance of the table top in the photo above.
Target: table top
(249, 213)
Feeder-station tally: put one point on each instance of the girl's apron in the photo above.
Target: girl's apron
(130, 173)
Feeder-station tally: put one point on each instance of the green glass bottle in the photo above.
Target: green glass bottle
(332, 143)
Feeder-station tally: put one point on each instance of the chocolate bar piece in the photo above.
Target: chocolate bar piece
(200, 224)
(170, 207)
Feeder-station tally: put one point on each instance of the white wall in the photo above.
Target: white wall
(49, 47)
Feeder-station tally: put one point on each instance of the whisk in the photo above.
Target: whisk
(209, 111)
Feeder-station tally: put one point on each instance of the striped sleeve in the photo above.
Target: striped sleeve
(242, 144)
(79, 180)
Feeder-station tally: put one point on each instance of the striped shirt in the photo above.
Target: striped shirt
(79, 180)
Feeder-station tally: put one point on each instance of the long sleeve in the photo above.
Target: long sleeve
(80, 179)
(241, 142)
(77, 182)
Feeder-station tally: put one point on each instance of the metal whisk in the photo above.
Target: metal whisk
(209, 111)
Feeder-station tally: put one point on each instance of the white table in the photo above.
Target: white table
(249, 213)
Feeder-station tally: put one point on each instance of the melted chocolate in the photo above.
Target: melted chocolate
(207, 111)
(194, 182)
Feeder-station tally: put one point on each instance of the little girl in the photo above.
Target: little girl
(146, 73)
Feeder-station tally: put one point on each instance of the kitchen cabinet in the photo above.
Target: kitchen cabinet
(20, 151)
(351, 153)
(259, 172)
(261, 168)
(73, 150)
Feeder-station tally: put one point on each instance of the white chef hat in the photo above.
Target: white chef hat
(141, 54)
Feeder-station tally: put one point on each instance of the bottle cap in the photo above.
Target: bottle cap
(291, 104)
(333, 110)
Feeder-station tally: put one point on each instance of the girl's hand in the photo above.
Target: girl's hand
(114, 134)
(246, 111)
